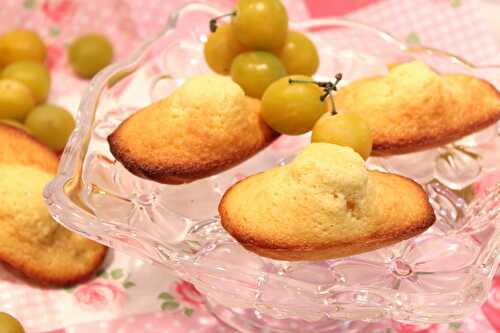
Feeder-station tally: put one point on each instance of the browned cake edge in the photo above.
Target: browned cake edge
(327, 251)
(42, 276)
(53, 159)
(186, 173)
(417, 144)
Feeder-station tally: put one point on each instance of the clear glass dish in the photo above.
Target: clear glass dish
(439, 276)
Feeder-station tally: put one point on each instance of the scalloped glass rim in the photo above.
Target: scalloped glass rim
(71, 215)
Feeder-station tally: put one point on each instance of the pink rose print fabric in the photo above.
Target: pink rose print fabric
(491, 308)
(99, 294)
(188, 294)
(56, 57)
(56, 11)
(182, 296)
(409, 328)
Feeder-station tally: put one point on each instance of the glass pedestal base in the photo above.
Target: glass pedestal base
(251, 321)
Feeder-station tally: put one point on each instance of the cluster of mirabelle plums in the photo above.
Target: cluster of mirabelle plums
(275, 64)
(25, 83)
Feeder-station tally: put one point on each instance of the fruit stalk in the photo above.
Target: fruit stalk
(213, 22)
(328, 87)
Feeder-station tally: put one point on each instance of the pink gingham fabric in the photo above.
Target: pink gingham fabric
(452, 25)
(130, 296)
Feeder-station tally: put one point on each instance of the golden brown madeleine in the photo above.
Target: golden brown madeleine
(414, 108)
(31, 241)
(204, 127)
(323, 205)
(16, 146)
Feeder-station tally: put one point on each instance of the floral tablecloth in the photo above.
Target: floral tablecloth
(129, 295)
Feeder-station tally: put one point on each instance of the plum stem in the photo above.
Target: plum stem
(213, 22)
(328, 87)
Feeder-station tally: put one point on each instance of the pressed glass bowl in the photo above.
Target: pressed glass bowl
(439, 276)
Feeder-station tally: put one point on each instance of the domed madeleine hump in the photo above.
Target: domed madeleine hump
(414, 108)
(31, 241)
(205, 126)
(18, 147)
(323, 205)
